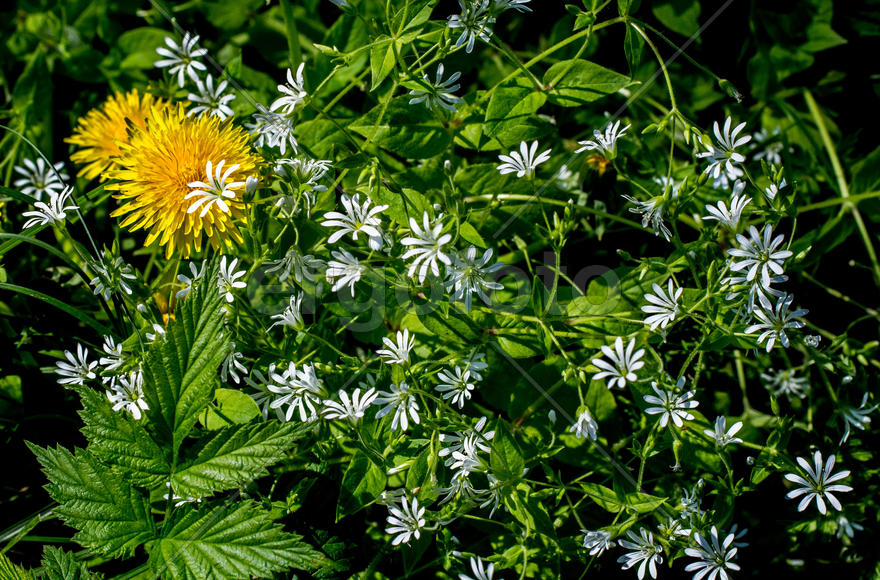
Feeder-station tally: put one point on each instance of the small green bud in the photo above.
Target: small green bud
(731, 91)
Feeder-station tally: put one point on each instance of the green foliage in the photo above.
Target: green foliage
(507, 435)
(399, 128)
(10, 571)
(180, 371)
(232, 456)
(122, 443)
(108, 514)
(58, 564)
(574, 83)
(237, 540)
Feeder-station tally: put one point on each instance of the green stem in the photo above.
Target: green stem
(550, 201)
(842, 184)
(293, 48)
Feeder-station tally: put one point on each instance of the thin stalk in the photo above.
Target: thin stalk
(842, 184)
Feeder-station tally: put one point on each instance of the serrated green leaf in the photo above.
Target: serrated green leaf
(180, 370)
(577, 81)
(110, 516)
(9, 571)
(228, 541)
(60, 565)
(120, 441)
(233, 456)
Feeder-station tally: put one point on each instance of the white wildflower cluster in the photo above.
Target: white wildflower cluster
(297, 390)
(215, 191)
(757, 264)
(757, 261)
(304, 175)
(39, 178)
(438, 93)
(411, 416)
(672, 404)
(111, 275)
(714, 554)
(273, 127)
(465, 454)
(53, 211)
(184, 61)
(466, 272)
(124, 389)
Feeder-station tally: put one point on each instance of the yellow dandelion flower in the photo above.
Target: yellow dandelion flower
(99, 134)
(156, 168)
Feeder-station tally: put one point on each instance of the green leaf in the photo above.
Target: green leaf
(231, 541)
(681, 16)
(362, 483)
(233, 456)
(604, 497)
(520, 345)
(9, 571)
(413, 14)
(381, 61)
(600, 400)
(529, 511)
(231, 14)
(402, 204)
(139, 46)
(120, 441)
(510, 115)
(577, 81)
(866, 173)
(403, 129)
(633, 44)
(470, 234)
(32, 101)
(505, 459)
(583, 19)
(233, 407)
(60, 565)
(181, 370)
(419, 476)
(643, 503)
(110, 515)
(627, 7)
(453, 326)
